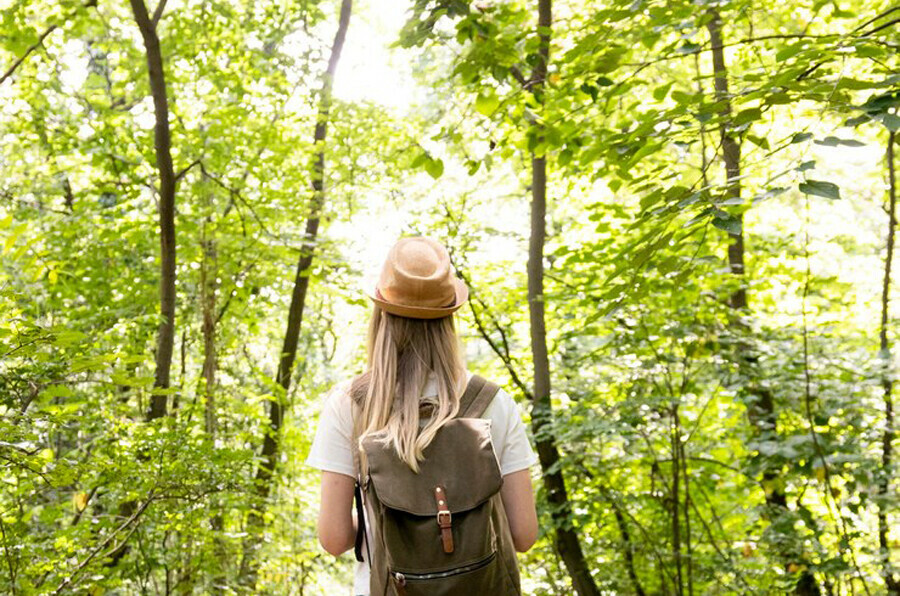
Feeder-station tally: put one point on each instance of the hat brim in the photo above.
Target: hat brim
(421, 312)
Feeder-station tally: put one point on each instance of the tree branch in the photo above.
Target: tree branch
(877, 17)
(880, 27)
(157, 14)
(137, 514)
(186, 169)
(40, 41)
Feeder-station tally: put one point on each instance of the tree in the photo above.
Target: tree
(271, 443)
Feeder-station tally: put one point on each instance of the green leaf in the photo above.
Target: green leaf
(869, 51)
(126, 380)
(434, 167)
(682, 97)
(688, 48)
(589, 90)
(759, 141)
(854, 122)
(789, 52)
(747, 116)
(881, 103)
(835, 141)
(800, 137)
(820, 188)
(420, 160)
(660, 93)
(777, 99)
(891, 121)
(486, 103)
(727, 222)
(772, 192)
(56, 391)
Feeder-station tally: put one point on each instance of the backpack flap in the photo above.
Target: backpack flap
(441, 531)
(460, 460)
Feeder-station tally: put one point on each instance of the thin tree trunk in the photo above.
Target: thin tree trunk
(165, 337)
(689, 549)
(892, 584)
(208, 288)
(628, 548)
(676, 502)
(761, 410)
(567, 542)
(731, 155)
(272, 441)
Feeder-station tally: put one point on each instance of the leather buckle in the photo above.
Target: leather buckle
(448, 516)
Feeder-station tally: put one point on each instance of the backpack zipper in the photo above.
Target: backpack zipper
(402, 577)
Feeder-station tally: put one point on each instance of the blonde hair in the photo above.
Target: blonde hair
(401, 354)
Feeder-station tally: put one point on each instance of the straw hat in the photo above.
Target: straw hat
(417, 282)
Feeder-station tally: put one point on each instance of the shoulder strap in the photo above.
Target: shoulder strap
(361, 540)
(354, 439)
(477, 397)
(358, 390)
(472, 404)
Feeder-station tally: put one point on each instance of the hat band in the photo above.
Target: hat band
(381, 296)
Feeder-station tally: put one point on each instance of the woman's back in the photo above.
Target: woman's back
(414, 360)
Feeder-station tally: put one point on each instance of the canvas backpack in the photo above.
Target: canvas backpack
(442, 531)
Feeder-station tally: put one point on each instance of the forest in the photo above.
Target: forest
(677, 221)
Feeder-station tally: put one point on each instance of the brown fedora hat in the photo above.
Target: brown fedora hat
(417, 282)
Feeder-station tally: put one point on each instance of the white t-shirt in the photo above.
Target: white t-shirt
(331, 447)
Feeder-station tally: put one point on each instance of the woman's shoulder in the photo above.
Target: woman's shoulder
(502, 406)
(337, 400)
(348, 388)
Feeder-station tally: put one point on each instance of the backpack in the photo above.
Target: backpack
(442, 531)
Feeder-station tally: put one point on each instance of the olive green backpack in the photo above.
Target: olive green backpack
(442, 531)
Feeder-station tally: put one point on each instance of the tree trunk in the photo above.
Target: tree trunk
(761, 410)
(541, 414)
(272, 442)
(891, 583)
(675, 499)
(208, 287)
(628, 548)
(165, 337)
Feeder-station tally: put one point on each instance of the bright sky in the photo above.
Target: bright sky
(369, 70)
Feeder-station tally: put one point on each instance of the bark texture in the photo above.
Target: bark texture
(567, 543)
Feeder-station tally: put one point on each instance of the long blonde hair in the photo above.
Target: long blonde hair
(401, 353)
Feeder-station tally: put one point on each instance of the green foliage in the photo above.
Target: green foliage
(658, 381)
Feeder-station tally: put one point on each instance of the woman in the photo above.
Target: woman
(411, 390)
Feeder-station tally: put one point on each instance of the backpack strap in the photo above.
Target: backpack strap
(357, 392)
(477, 397)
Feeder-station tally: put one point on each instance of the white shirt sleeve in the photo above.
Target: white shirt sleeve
(331, 449)
(508, 434)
